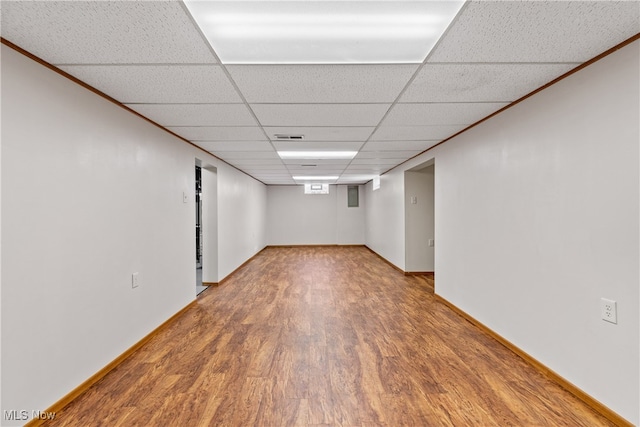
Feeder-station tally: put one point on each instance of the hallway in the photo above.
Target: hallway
(324, 336)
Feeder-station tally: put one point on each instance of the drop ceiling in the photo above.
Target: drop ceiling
(152, 57)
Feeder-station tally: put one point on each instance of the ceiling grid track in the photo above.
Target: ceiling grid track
(160, 61)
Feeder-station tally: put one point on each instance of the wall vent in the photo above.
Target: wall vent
(282, 136)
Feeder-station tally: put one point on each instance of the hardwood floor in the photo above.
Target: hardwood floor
(324, 336)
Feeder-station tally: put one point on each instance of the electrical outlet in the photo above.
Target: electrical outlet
(135, 280)
(185, 197)
(608, 310)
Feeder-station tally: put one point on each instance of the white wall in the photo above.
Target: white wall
(1, 258)
(537, 218)
(384, 218)
(242, 204)
(349, 221)
(419, 220)
(91, 194)
(295, 218)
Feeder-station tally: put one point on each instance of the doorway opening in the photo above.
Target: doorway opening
(199, 286)
(206, 226)
(419, 187)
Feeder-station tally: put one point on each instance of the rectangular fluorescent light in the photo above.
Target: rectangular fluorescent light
(317, 155)
(323, 32)
(315, 178)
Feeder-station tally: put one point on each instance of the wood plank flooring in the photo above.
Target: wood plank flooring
(324, 336)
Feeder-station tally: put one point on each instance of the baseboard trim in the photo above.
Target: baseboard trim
(553, 376)
(419, 273)
(328, 245)
(73, 394)
(322, 245)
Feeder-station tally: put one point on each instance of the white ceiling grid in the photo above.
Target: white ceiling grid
(150, 56)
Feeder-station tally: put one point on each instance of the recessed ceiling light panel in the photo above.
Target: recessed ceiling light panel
(323, 32)
(315, 178)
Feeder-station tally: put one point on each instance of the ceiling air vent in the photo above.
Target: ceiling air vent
(281, 136)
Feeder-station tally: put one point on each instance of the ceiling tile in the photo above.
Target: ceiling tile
(375, 162)
(398, 145)
(537, 31)
(316, 146)
(328, 133)
(316, 171)
(244, 155)
(277, 181)
(273, 173)
(163, 84)
(480, 82)
(268, 178)
(323, 162)
(415, 133)
(394, 154)
(440, 113)
(256, 162)
(281, 169)
(321, 83)
(355, 178)
(366, 169)
(216, 146)
(320, 114)
(196, 114)
(219, 133)
(105, 32)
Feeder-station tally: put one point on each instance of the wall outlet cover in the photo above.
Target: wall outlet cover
(608, 310)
